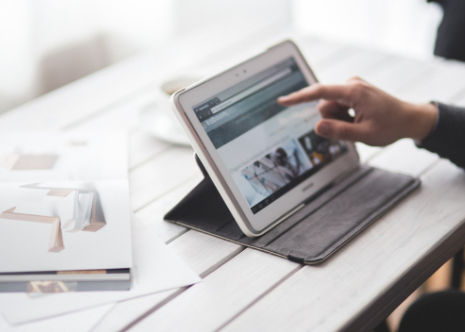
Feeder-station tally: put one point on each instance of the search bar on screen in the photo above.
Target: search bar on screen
(247, 92)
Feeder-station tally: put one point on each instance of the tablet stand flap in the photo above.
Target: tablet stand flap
(316, 231)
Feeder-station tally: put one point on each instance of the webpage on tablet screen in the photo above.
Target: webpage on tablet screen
(268, 148)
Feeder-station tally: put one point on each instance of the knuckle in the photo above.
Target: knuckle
(354, 90)
(359, 90)
(354, 79)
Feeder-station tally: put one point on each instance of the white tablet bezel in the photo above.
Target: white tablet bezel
(252, 224)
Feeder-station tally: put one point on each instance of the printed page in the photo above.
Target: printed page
(64, 202)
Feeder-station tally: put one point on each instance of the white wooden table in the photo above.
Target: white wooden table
(244, 289)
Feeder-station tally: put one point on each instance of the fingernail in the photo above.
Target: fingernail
(323, 129)
(284, 98)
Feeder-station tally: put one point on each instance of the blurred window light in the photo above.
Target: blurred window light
(405, 27)
(17, 57)
(48, 43)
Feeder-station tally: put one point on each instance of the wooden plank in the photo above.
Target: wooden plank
(356, 64)
(222, 295)
(459, 98)
(316, 51)
(366, 152)
(143, 147)
(404, 157)
(80, 99)
(347, 283)
(154, 212)
(441, 83)
(159, 175)
(345, 53)
(124, 313)
(123, 116)
(202, 253)
(395, 74)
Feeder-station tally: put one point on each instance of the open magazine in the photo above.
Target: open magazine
(64, 212)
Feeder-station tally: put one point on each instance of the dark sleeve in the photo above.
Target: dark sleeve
(448, 138)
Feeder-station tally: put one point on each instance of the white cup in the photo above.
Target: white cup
(158, 118)
(170, 87)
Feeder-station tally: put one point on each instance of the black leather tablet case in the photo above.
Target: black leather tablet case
(315, 232)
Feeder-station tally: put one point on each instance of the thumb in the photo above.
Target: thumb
(335, 129)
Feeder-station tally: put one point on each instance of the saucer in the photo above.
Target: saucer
(162, 125)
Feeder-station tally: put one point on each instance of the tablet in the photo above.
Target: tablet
(265, 159)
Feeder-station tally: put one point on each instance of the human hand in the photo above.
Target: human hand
(380, 119)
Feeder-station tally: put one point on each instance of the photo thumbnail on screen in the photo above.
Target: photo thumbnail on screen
(288, 165)
(276, 169)
(321, 151)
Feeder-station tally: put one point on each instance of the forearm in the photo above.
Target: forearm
(448, 137)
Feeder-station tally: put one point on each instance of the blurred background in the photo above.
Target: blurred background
(46, 44)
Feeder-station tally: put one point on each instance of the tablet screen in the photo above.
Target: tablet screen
(268, 149)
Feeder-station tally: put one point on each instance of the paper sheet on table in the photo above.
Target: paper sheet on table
(78, 321)
(156, 268)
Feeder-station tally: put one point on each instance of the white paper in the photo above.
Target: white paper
(78, 321)
(156, 268)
